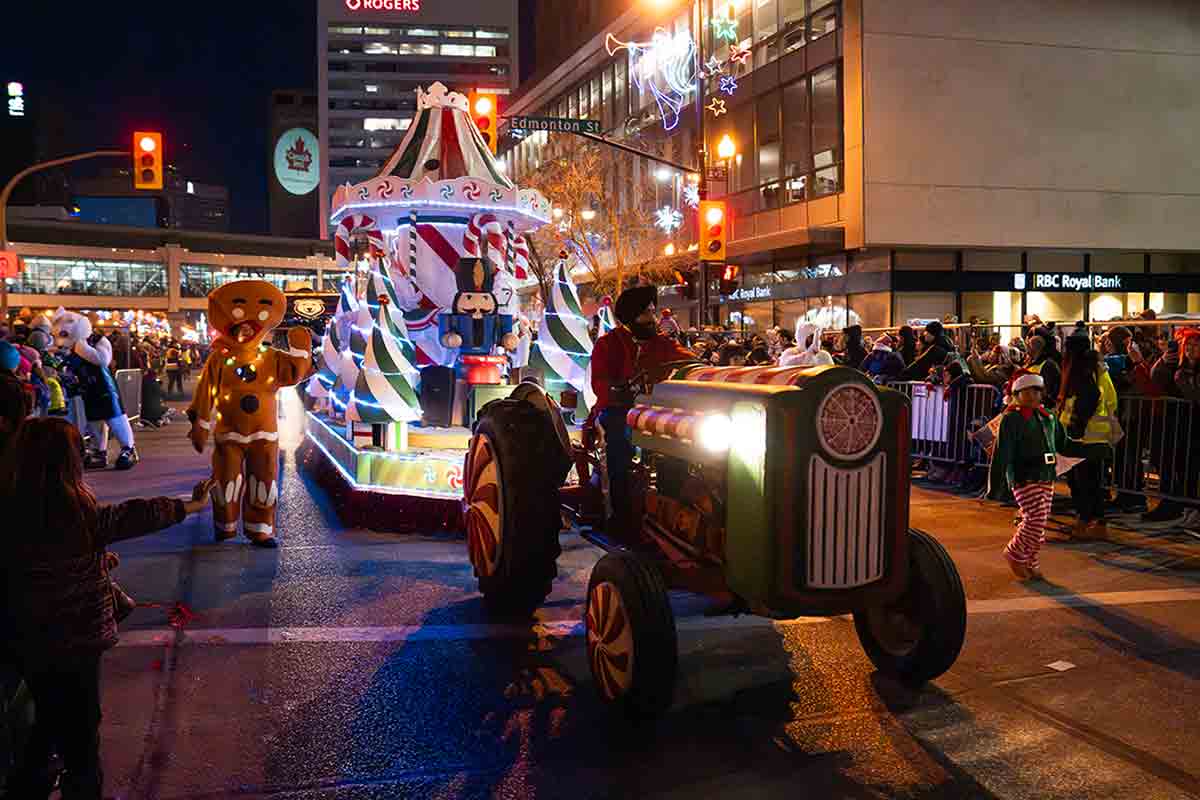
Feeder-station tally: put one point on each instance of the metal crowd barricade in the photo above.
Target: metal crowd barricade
(1158, 456)
(943, 417)
(129, 387)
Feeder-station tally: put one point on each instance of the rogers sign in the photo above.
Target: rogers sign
(383, 5)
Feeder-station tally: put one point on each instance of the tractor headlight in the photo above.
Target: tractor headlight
(715, 433)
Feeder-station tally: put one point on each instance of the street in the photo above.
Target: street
(350, 664)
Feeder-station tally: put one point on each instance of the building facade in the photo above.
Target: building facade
(116, 268)
(918, 160)
(110, 199)
(373, 54)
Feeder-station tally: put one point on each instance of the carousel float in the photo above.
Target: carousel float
(427, 329)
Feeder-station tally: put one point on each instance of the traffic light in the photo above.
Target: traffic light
(147, 160)
(729, 279)
(686, 280)
(714, 229)
(483, 111)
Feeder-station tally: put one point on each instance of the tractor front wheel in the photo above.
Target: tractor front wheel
(918, 636)
(512, 478)
(631, 642)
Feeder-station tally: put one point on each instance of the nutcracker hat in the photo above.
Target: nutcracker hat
(473, 275)
(1027, 380)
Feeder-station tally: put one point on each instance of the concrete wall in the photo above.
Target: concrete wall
(1037, 123)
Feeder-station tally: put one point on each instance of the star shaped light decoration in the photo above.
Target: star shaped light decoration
(714, 66)
(668, 219)
(717, 106)
(725, 28)
(691, 195)
(738, 54)
(729, 84)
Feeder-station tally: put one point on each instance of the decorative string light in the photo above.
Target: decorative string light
(668, 219)
(691, 195)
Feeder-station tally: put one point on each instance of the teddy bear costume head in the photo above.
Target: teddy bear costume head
(244, 312)
(70, 328)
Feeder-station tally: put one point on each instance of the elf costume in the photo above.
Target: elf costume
(1026, 453)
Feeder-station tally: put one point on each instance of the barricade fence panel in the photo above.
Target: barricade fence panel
(1158, 455)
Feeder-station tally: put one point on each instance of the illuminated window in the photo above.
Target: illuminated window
(421, 32)
(371, 88)
(458, 50)
(485, 51)
(386, 124)
(380, 49)
(491, 34)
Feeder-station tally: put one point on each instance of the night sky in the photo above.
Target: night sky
(201, 72)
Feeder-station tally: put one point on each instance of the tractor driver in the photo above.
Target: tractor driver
(633, 347)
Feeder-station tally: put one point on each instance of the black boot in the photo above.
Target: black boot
(94, 459)
(129, 457)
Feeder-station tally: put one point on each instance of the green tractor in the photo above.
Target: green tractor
(777, 491)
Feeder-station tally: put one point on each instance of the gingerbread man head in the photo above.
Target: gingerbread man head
(244, 312)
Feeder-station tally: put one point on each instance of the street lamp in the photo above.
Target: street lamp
(726, 148)
(669, 250)
(558, 213)
(588, 214)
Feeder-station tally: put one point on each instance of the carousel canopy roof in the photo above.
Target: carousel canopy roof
(443, 143)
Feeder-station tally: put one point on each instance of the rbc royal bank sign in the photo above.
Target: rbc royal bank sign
(1065, 282)
(383, 5)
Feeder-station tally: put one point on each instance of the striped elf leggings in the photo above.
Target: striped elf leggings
(1034, 500)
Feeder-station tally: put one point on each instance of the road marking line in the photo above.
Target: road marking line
(571, 628)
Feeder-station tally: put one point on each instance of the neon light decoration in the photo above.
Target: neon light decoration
(714, 66)
(739, 54)
(717, 107)
(665, 66)
(725, 28)
(691, 196)
(729, 84)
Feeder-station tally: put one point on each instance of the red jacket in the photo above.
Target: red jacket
(618, 356)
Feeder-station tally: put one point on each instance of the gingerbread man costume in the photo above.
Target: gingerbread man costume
(235, 402)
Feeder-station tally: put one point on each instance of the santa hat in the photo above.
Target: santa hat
(1024, 379)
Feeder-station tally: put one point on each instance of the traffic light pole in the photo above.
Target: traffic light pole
(7, 193)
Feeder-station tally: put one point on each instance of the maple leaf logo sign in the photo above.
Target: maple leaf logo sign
(298, 156)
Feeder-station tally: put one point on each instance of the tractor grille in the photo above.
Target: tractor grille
(846, 509)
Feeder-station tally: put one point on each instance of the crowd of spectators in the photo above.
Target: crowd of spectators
(1133, 383)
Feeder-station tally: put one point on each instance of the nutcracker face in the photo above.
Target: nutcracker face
(475, 304)
(245, 311)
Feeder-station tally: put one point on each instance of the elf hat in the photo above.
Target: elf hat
(1027, 380)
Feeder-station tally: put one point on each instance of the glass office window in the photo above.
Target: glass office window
(823, 21)
(992, 260)
(769, 142)
(924, 260)
(826, 131)
(1061, 307)
(87, 277)
(606, 98)
(741, 173)
(874, 309)
(1115, 305)
(1110, 262)
(1175, 262)
(994, 308)
(1054, 261)
(914, 306)
(620, 98)
(766, 19)
(797, 143)
(596, 110)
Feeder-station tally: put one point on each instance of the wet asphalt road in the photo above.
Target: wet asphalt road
(350, 664)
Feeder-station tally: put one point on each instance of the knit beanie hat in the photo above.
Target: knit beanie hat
(10, 359)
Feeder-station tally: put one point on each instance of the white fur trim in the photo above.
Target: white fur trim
(228, 527)
(258, 527)
(1028, 381)
(207, 424)
(240, 438)
(297, 352)
(273, 495)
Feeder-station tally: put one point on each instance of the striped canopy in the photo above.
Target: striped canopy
(443, 143)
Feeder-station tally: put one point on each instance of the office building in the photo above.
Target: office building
(916, 160)
(373, 54)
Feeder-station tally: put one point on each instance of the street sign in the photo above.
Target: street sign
(718, 172)
(555, 124)
(10, 264)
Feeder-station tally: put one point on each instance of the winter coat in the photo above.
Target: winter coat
(1099, 426)
(855, 352)
(57, 602)
(991, 374)
(1027, 437)
(933, 356)
(883, 364)
(1051, 373)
